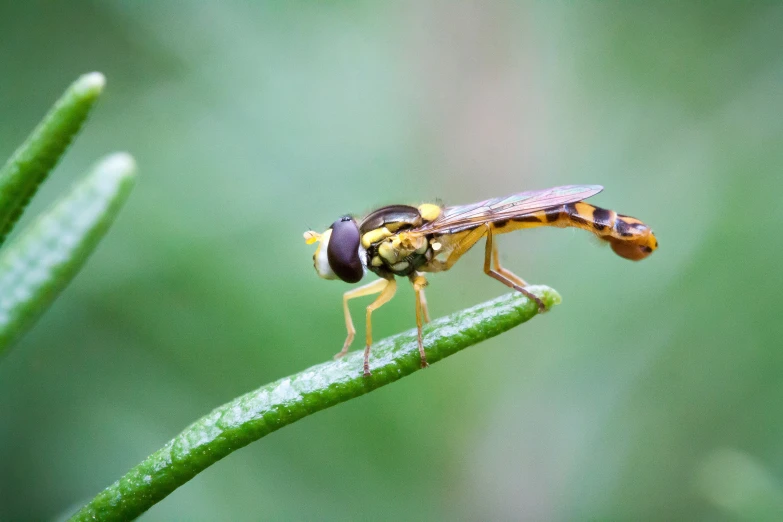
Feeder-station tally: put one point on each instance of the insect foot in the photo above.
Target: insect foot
(541, 305)
(367, 371)
(530, 295)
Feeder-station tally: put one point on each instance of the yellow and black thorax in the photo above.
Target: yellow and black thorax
(392, 250)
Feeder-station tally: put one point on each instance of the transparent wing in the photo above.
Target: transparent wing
(462, 217)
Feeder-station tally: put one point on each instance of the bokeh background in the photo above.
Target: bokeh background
(654, 392)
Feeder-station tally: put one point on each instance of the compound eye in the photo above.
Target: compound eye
(343, 250)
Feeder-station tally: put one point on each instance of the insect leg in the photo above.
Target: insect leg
(503, 279)
(424, 307)
(368, 289)
(502, 271)
(465, 244)
(386, 294)
(418, 286)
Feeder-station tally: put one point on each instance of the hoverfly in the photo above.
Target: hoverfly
(407, 241)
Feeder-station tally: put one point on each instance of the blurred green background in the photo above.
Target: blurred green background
(654, 392)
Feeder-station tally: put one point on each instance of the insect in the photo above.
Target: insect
(407, 241)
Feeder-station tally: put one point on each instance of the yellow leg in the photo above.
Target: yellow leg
(424, 308)
(463, 246)
(418, 286)
(503, 278)
(369, 289)
(386, 294)
(502, 271)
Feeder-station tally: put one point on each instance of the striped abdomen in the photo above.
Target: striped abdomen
(629, 237)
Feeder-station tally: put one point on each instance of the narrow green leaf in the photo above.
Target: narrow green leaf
(43, 259)
(269, 408)
(30, 164)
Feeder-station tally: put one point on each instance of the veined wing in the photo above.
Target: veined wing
(462, 217)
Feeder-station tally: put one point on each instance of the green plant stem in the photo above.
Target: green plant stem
(32, 161)
(42, 260)
(269, 408)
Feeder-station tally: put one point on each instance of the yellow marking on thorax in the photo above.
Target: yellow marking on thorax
(388, 252)
(399, 246)
(399, 267)
(429, 211)
(373, 236)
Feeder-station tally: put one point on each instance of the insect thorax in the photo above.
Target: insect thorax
(401, 255)
(391, 248)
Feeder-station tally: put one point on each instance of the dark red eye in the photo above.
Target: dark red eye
(343, 250)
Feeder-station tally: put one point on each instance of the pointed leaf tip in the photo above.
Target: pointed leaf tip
(40, 262)
(113, 172)
(34, 159)
(90, 83)
(119, 163)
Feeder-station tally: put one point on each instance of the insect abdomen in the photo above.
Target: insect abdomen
(628, 236)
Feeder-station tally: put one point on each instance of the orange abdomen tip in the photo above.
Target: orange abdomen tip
(632, 239)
